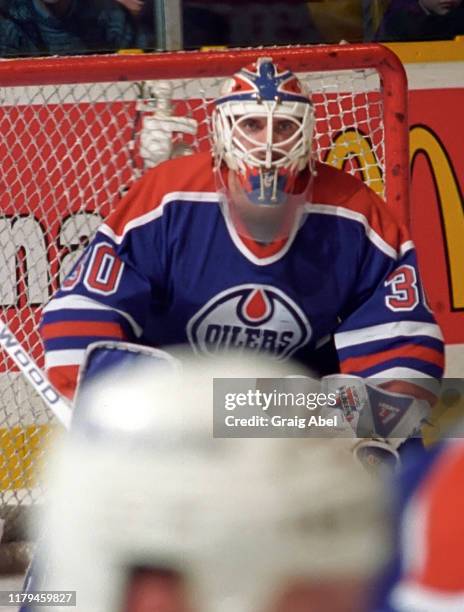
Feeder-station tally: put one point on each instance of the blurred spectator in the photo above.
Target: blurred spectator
(372, 15)
(422, 20)
(339, 19)
(260, 22)
(65, 27)
(202, 26)
(142, 12)
(134, 6)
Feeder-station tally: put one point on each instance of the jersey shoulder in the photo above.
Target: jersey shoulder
(339, 188)
(186, 179)
(337, 193)
(190, 173)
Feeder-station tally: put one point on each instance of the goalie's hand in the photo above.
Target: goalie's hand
(381, 420)
(156, 136)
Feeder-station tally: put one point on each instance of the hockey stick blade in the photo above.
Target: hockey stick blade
(36, 377)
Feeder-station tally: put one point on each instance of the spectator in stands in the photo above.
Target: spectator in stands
(202, 26)
(257, 22)
(422, 20)
(205, 27)
(233, 23)
(65, 27)
(134, 6)
(142, 12)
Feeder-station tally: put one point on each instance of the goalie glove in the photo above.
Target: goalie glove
(160, 128)
(381, 420)
(108, 359)
(157, 137)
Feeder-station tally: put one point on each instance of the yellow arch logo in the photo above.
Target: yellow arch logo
(352, 144)
(424, 142)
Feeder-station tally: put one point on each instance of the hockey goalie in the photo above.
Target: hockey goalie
(256, 246)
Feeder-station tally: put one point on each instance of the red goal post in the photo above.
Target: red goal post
(69, 147)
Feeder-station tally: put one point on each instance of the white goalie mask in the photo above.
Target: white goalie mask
(142, 483)
(263, 126)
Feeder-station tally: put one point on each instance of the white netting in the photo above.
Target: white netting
(68, 153)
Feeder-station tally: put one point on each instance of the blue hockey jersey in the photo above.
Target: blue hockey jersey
(167, 267)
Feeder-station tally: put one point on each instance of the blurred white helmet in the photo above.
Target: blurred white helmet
(141, 482)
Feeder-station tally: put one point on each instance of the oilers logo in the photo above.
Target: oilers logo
(257, 318)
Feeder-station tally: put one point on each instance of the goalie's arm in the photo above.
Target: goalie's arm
(113, 288)
(388, 333)
(86, 310)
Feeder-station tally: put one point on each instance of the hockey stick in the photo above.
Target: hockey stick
(36, 377)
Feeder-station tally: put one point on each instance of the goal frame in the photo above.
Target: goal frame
(191, 64)
(217, 64)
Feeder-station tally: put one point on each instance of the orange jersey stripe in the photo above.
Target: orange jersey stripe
(443, 497)
(263, 250)
(82, 328)
(193, 173)
(342, 189)
(64, 379)
(357, 364)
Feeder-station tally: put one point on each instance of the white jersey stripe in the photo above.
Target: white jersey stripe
(183, 196)
(372, 235)
(246, 252)
(412, 598)
(200, 196)
(64, 358)
(406, 246)
(386, 330)
(79, 302)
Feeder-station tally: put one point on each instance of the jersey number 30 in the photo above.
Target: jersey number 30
(104, 270)
(404, 291)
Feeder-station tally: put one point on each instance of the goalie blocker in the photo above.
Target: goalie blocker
(379, 421)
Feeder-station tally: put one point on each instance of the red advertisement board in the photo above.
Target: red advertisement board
(437, 187)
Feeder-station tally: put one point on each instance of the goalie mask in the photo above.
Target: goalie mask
(263, 126)
(141, 489)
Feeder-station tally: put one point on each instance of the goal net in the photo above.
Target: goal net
(70, 131)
